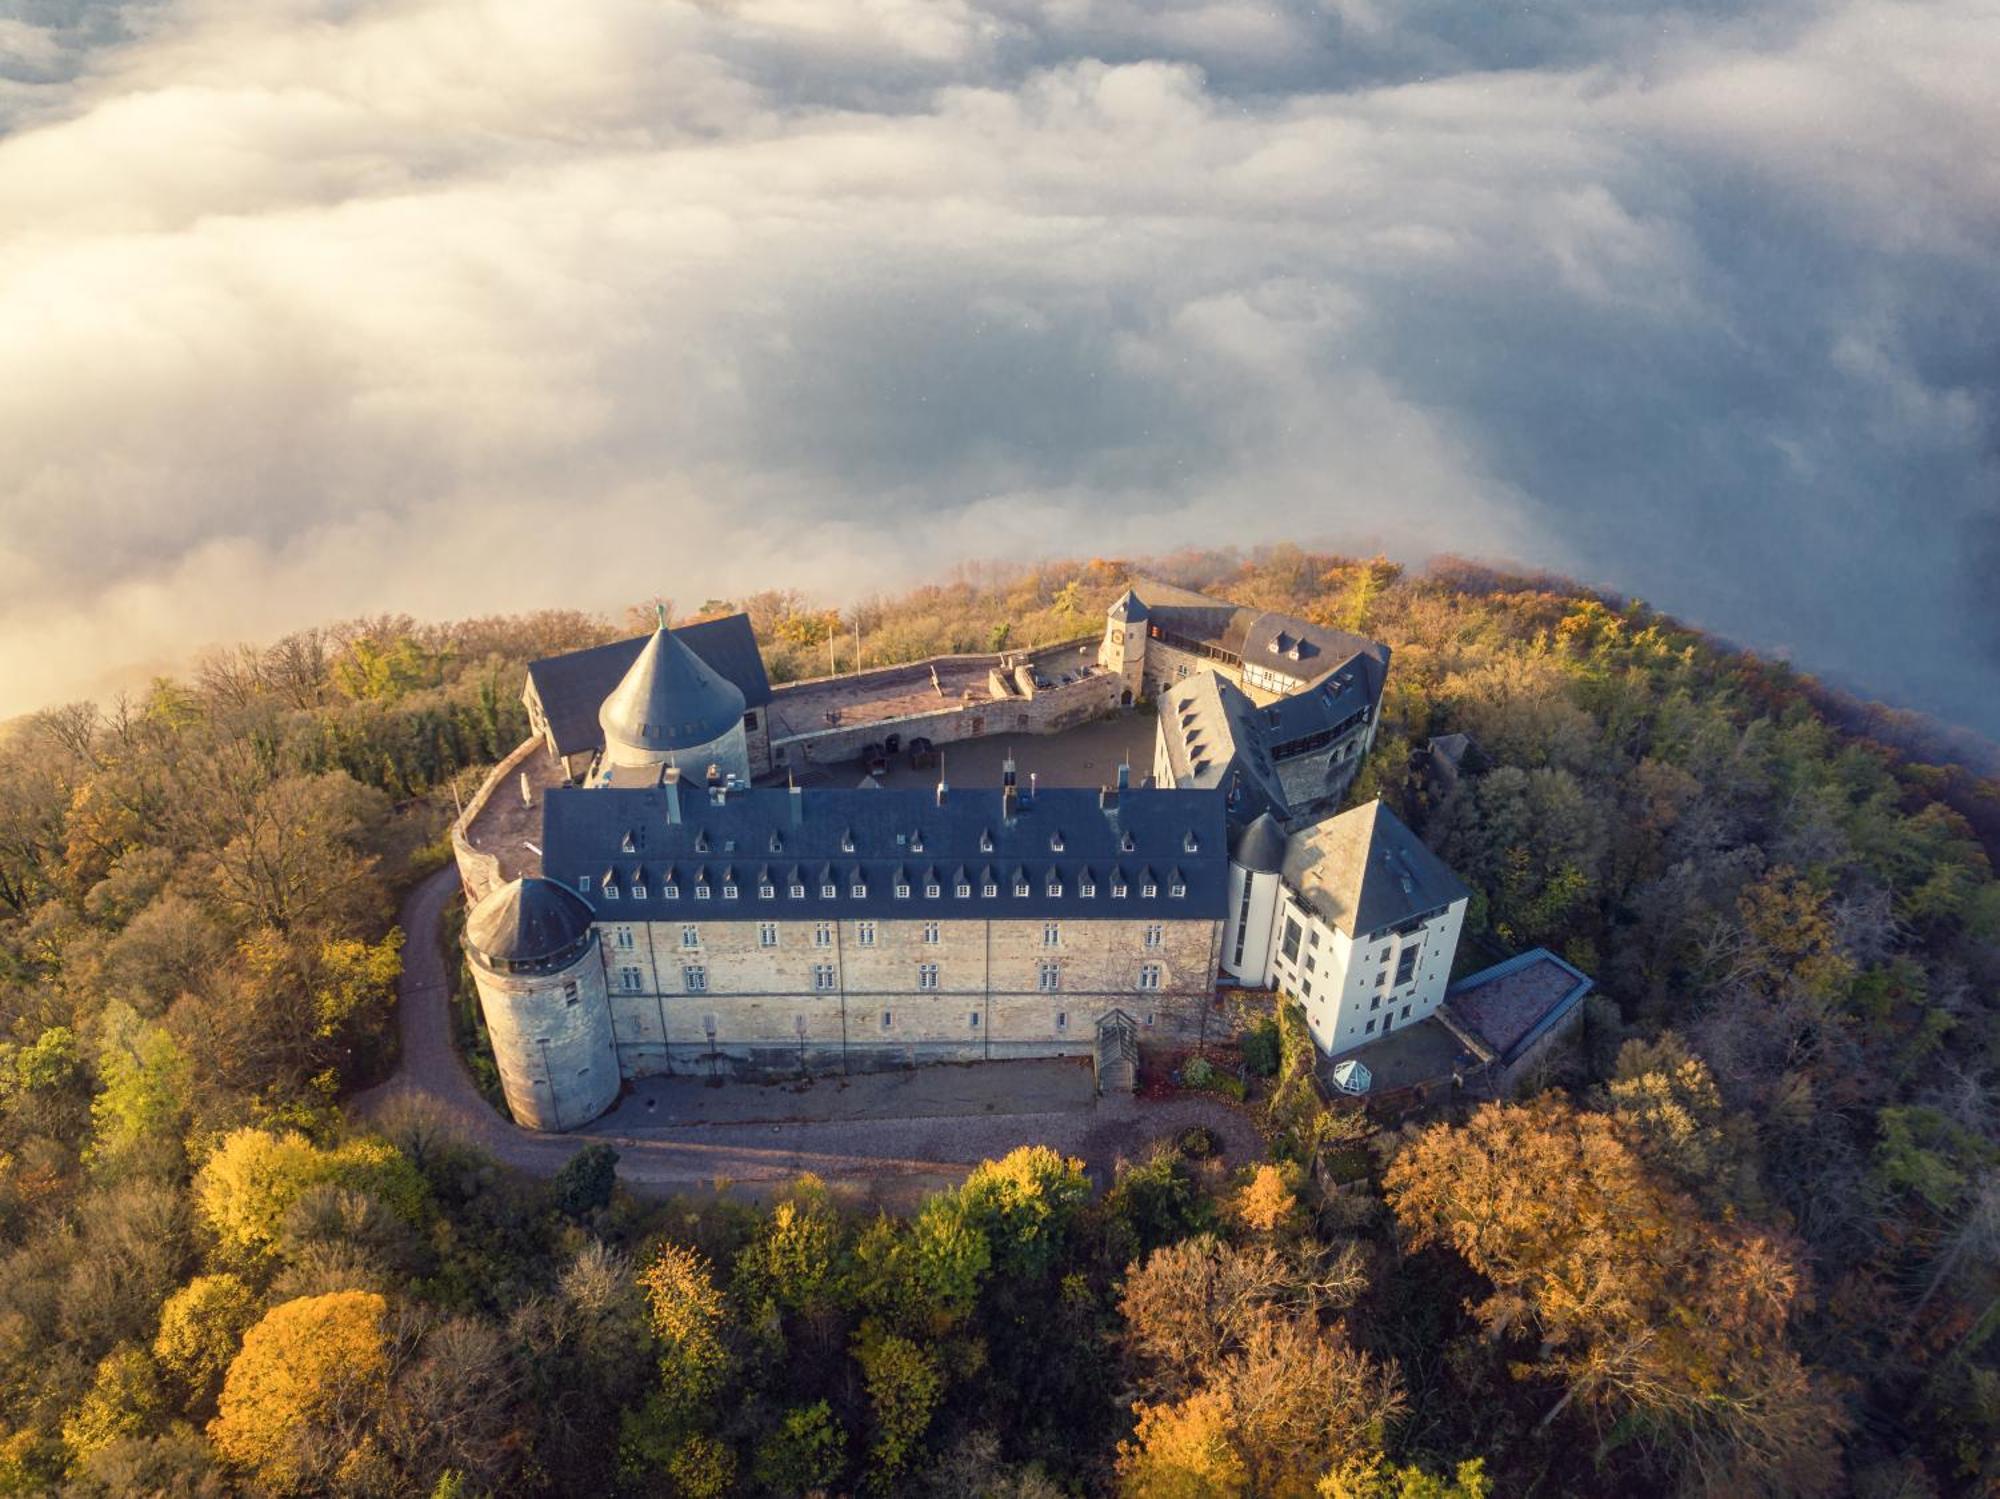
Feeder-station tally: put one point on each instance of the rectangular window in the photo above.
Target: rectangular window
(964, 891)
(1156, 935)
(583, 883)
(638, 892)
(1290, 946)
(931, 892)
(1117, 892)
(1149, 975)
(1055, 892)
(767, 934)
(1050, 978)
(989, 891)
(930, 934)
(888, 1019)
(671, 892)
(798, 892)
(1175, 892)
(972, 1020)
(1062, 1020)
(571, 994)
(859, 892)
(625, 938)
(823, 934)
(822, 976)
(1369, 1028)
(1052, 934)
(902, 892)
(767, 892)
(1020, 890)
(628, 980)
(696, 978)
(1406, 1013)
(690, 936)
(1406, 965)
(1088, 892)
(1148, 892)
(1310, 965)
(611, 892)
(828, 892)
(729, 892)
(927, 975)
(864, 933)
(701, 892)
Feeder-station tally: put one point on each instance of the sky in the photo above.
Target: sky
(319, 308)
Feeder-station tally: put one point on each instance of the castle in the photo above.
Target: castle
(646, 906)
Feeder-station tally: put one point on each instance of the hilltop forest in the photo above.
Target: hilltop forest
(1742, 1239)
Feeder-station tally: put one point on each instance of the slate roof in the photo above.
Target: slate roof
(1282, 643)
(1216, 736)
(1509, 1006)
(670, 699)
(1129, 609)
(1261, 846)
(573, 687)
(526, 924)
(877, 839)
(1365, 871)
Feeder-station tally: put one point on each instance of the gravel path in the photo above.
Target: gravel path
(892, 1160)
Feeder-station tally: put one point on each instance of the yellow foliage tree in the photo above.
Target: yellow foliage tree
(201, 1326)
(1183, 1451)
(1266, 1202)
(302, 1394)
(254, 1177)
(687, 1314)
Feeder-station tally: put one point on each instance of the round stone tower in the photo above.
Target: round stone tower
(1256, 866)
(673, 706)
(541, 985)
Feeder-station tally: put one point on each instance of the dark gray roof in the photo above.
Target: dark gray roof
(1215, 735)
(669, 699)
(528, 923)
(878, 839)
(1260, 847)
(1283, 643)
(1129, 609)
(1365, 871)
(572, 687)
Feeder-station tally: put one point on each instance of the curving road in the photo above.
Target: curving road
(894, 1160)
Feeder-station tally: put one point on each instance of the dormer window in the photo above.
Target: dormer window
(1191, 843)
(1021, 888)
(1118, 892)
(1126, 844)
(701, 892)
(828, 892)
(986, 840)
(902, 892)
(671, 892)
(583, 883)
(931, 892)
(1148, 892)
(729, 892)
(962, 891)
(859, 892)
(628, 844)
(989, 891)
(798, 892)
(1176, 891)
(611, 892)
(701, 841)
(777, 844)
(847, 841)
(638, 892)
(767, 892)
(917, 841)
(1056, 841)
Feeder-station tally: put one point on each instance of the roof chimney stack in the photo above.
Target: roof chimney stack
(798, 800)
(670, 783)
(1124, 775)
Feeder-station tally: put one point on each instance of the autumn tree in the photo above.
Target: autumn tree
(302, 1396)
(1641, 1307)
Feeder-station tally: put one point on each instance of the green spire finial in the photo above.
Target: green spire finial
(660, 609)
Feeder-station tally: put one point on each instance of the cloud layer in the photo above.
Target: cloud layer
(320, 307)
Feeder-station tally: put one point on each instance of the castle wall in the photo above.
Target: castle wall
(1049, 711)
(552, 1041)
(480, 872)
(762, 1014)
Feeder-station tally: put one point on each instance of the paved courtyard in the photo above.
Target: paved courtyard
(1086, 755)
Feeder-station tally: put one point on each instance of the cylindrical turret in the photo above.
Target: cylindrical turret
(673, 707)
(535, 960)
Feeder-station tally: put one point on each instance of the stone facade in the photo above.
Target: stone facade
(756, 998)
(551, 1040)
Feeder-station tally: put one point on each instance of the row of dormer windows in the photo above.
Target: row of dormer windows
(1153, 934)
(1176, 890)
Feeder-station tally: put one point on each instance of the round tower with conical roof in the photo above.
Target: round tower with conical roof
(534, 951)
(673, 707)
(1256, 866)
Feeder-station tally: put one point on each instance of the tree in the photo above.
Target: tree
(904, 1386)
(305, 1391)
(1025, 1204)
(1266, 1202)
(1183, 1451)
(138, 1117)
(688, 1316)
(1375, 1478)
(807, 1451)
(1640, 1306)
(585, 1182)
(251, 1181)
(201, 1327)
(123, 1400)
(297, 857)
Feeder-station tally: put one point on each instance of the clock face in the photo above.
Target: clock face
(1117, 637)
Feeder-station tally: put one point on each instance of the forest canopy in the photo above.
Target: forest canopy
(1741, 1237)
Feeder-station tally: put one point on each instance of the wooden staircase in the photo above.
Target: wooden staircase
(1117, 1055)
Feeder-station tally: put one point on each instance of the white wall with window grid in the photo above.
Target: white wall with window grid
(1355, 992)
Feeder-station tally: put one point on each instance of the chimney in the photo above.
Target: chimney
(1107, 799)
(1007, 770)
(942, 790)
(1010, 792)
(670, 783)
(714, 774)
(798, 804)
(1032, 787)
(1124, 775)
